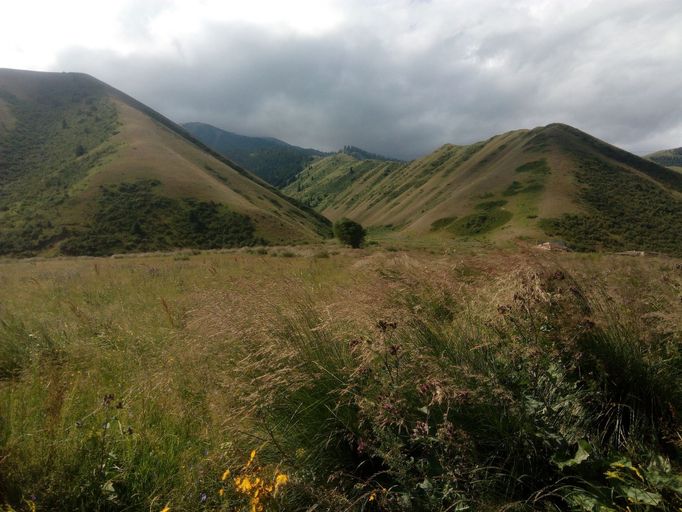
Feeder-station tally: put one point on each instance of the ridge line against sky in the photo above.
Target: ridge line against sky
(394, 77)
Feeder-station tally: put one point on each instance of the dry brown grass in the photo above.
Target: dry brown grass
(180, 342)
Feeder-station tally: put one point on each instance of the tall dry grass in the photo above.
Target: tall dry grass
(373, 380)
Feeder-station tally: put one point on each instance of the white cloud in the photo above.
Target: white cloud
(396, 76)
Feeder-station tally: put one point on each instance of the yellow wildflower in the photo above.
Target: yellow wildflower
(637, 473)
(251, 457)
(372, 496)
(280, 480)
(243, 484)
(613, 474)
(256, 505)
(225, 475)
(165, 509)
(221, 491)
(630, 467)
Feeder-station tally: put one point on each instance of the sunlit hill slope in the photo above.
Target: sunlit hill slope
(668, 157)
(550, 182)
(86, 169)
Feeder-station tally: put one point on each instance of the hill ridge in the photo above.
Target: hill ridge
(77, 141)
(527, 184)
(272, 160)
(671, 158)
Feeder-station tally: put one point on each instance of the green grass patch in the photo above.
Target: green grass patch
(491, 205)
(481, 223)
(132, 217)
(627, 213)
(54, 144)
(442, 223)
(534, 167)
(516, 188)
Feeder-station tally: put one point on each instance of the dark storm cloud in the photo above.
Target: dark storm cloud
(451, 74)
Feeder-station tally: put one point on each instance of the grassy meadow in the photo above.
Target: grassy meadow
(325, 378)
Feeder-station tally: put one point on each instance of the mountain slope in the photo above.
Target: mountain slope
(671, 158)
(271, 159)
(86, 169)
(551, 181)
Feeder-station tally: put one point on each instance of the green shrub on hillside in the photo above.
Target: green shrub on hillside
(628, 212)
(349, 232)
(442, 223)
(534, 167)
(55, 142)
(481, 222)
(132, 217)
(487, 206)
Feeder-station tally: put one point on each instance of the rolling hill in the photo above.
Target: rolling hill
(271, 159)
(549, 182)
(86, 169)
(671, 158)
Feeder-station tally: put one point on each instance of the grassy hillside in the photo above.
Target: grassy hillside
(69, 146)
(669, 158)
(353, 380)
(271, 159)
(553, 181)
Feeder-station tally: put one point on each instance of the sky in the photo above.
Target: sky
(396, 77)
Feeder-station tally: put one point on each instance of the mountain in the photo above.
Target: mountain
(549, 182)
(271, 159)
(86, 169)
(361, 154)
(671, 158)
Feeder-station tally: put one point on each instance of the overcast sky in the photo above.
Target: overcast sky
(397, 77)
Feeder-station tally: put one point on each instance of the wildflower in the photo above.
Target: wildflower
(639, 475)
(221, 492)
(630, 467)
(166, 508)
(251, 457)
(243, 484)
(225, 475)
(614, 475)
(203, 497)
(372, 496)
(421, 429)
(280, 480)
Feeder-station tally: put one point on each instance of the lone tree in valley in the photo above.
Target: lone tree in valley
(349, 232)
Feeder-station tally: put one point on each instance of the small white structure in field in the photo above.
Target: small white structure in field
(556, 245)
(631, 253)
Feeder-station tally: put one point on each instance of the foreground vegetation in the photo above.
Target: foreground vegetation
(366, 380)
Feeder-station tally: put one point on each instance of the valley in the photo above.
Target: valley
(179, 330)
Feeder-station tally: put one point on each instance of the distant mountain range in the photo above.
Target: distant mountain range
(549, 182)
(668, 157)
(271, 159)
(86, 169)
